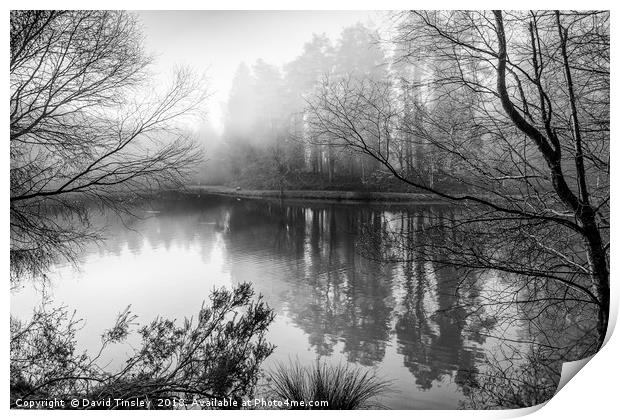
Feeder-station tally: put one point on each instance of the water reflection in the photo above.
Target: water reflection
(408, 319)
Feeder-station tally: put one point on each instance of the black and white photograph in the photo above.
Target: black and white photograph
(306, 209)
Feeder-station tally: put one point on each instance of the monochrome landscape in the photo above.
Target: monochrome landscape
(306, 209)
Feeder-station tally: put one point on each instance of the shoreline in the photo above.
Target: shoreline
(354, 196)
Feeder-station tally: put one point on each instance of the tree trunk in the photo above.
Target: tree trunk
(599, 269)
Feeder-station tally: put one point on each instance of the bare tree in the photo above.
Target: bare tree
(515, 107)
(86, 127)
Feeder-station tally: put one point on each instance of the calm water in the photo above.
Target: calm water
(331, 301)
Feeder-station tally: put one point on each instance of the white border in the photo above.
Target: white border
(592, 394)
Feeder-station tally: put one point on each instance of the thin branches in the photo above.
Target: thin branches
(87, 125)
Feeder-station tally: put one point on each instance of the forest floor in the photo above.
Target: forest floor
(367, 196)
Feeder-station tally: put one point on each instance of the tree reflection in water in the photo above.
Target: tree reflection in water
(384, 286)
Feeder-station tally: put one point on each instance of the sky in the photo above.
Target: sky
(214, 43)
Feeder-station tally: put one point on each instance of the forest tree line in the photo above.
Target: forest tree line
(269, 138)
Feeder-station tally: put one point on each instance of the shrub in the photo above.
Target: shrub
(217, 355)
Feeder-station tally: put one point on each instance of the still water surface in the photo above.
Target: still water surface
(331, 301)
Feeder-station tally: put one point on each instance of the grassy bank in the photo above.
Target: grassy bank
(319, 195)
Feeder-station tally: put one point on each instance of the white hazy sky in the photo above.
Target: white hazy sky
(216, 42)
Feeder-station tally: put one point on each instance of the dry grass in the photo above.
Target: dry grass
(343, 386)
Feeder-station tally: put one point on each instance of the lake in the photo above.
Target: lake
(333, 299)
